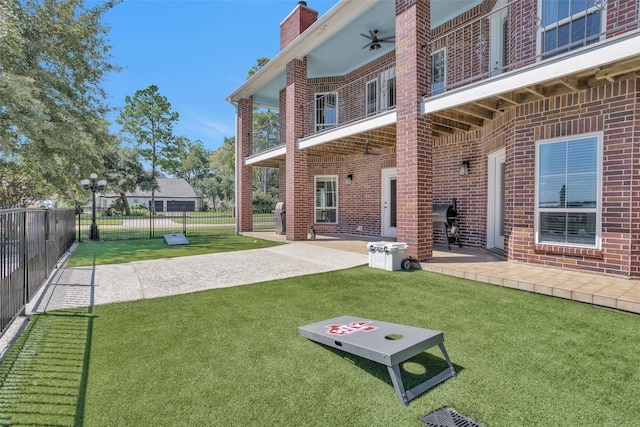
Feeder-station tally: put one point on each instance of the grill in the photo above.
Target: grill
(448, 417)
(445, 215)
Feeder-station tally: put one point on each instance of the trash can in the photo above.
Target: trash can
(280, 218)
(390, 256)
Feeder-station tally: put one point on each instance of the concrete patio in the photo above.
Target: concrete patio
(483, 266)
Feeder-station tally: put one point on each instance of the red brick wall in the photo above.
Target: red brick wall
(610, 108)
(413, 132)
(297, 206)
(634, 177)
(244, 202)
(607, 108)
(359, 203)
(293, 25)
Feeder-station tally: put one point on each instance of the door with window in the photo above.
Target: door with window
(389, 207)
(495, 197)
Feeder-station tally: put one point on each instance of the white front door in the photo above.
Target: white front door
(389, 209)
(495, 197)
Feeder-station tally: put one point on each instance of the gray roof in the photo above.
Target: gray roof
(174, 188)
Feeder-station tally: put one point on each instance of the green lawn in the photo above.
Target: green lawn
(120, 251)
(233, 357)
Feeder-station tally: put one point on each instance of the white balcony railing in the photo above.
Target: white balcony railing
(364, 97)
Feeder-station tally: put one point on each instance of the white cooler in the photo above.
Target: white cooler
(388, 255)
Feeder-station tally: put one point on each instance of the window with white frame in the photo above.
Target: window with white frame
(438, 71)
(372, 97)
(326, 209)
(388, 89)
(568, 191)
(569, 24)
(326, 111)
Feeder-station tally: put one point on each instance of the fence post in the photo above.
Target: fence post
(184, 221)
(24, 257)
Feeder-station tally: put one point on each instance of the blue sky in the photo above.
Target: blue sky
(197, 52)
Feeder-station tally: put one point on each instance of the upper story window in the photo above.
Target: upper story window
(326, 209)
(438, 71)
(568, 25)
(568, 183)
(326, 111)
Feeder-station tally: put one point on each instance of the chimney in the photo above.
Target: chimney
(298, 20)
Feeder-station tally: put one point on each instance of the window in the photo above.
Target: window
(372, 97)
(388, 89)
(568, 182)
(326, 111)
(327, 199)
(438, 71)
(568, 25)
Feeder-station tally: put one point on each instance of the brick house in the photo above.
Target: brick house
(526, 112)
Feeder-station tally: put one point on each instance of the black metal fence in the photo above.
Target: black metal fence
(31, 243)
(142, 225)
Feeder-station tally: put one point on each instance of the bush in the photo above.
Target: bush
(263, 203)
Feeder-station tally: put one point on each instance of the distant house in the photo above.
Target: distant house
(172, 195)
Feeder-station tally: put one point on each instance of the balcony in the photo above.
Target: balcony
(513, 56)
(363, 103)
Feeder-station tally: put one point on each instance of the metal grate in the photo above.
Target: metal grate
(448, 417)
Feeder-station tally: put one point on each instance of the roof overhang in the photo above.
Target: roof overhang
(336, 18)
(334, 47)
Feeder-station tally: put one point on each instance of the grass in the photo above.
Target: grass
(233, 356)
(122, 251)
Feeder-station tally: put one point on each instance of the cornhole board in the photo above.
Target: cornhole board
(175, 239)
(387, 343)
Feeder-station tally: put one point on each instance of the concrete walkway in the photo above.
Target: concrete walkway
(105, 284)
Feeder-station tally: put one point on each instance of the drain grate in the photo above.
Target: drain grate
(448, 417)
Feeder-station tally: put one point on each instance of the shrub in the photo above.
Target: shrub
(263, 203)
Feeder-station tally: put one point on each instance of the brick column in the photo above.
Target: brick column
(244, 202)
(413, 132)
(297, 205)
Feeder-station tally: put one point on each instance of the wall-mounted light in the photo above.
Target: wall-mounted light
(464, 167)
(349, 178)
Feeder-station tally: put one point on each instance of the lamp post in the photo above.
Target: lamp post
(93, 185)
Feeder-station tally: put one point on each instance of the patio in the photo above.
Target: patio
(483, 266)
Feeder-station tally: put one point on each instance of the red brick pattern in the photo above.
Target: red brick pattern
(298, 20)
(244, 204)
(359, 202)
(413, 132)
(296, 176)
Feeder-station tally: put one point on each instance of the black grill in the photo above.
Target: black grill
(448, 417)
(445, 215)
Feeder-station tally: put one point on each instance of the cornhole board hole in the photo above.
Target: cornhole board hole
(175, 239)
(387, 343)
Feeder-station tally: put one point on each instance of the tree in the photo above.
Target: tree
(124, 173)
(266, 134)
(55, 56)
(148, 120)
(261, 62)
(223, 166)
(195, 166)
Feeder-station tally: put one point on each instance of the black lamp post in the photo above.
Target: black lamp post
(94, 185)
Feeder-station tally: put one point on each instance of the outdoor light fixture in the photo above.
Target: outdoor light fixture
(464, 167)
(93, 185)
(375, 46)
(349, 178)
